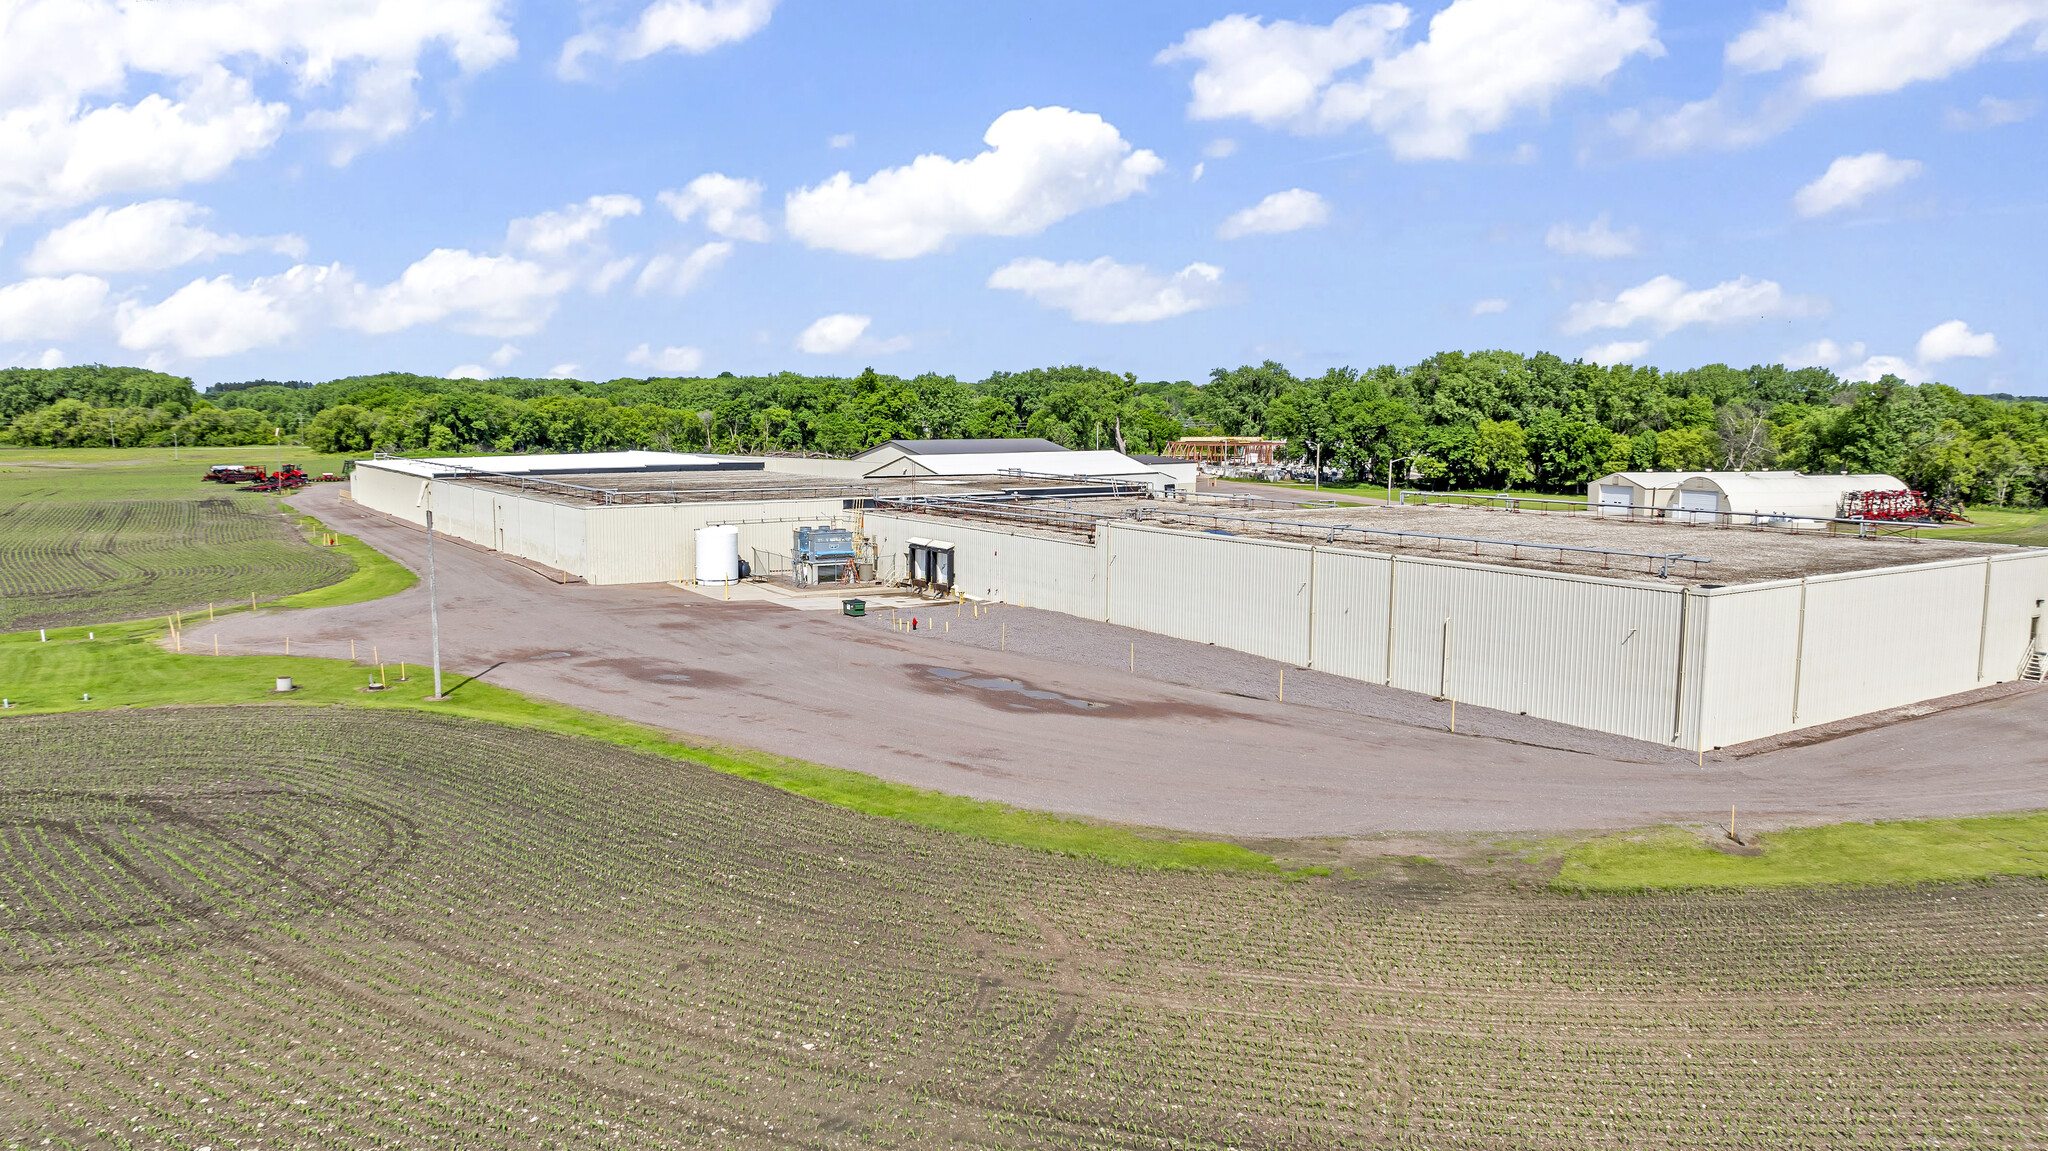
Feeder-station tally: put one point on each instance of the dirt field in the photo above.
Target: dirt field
(1200, 758)
(280, 927)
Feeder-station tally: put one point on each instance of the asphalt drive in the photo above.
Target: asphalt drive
(1098, 741)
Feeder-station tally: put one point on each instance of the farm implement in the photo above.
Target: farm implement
(1900, 505)
(290, 479)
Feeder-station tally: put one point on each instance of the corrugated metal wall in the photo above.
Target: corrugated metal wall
(1880, 640)
(1251, 595)
(1348, 628)
(656, 543)
(1753, 664)
(1591, 652)
(997, 564)
(2019, 585)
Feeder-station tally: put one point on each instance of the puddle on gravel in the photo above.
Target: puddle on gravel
(1000, 684)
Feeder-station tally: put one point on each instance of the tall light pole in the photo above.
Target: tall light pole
(433, 605)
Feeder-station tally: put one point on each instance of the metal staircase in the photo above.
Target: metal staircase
(2036, 668)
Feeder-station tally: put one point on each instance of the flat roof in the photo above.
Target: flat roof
(1524, 539)
(696, 487)
(564, 463)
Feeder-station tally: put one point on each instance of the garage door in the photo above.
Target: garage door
(1615, 499)
(1697, 507)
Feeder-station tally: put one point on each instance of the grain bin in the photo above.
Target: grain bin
(718, 554)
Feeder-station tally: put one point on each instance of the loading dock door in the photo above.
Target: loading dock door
(1697, 507)
(1612, 495)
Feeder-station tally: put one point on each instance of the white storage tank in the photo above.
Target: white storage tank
(718, 554)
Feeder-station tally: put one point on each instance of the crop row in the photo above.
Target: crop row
(420, 928)
(76, 561)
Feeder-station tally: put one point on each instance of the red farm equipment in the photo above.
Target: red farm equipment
(291, 479)
(235, 474)
(1900, 505)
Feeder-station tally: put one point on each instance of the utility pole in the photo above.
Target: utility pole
(433, 605)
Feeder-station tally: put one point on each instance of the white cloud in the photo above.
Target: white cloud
(1861, 48)
(215, 317)
(482, 295)
(1492, 307)
(731, 207)
(49, 358)
(561, 234)
(565, 371)
(1043, 165)
(49, 307)
(1990, 112)
(842, 140)
(99, 98)
(678, 274)
(1288, 211)
(1850, 180)
(1221, 148)
(1618, 352)
(145, 237)
(692, 27)
(1823, 353)
(1877, 367)
(1481, 63)
(1195, 176)
(467, 372)
(840, 333)
(1665, 304)
(672, 361)
(505, 354)
(1103, 291)
(1597, 240)
(1953, 339)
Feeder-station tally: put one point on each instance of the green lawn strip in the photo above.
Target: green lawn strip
(375, 576)
(1893, 852)
(124, 667)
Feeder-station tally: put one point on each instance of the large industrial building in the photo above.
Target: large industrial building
(1688, 631)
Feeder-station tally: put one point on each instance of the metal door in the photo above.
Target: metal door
(1696, 506)
(1615, 500)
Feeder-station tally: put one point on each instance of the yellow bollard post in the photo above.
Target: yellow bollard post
(209, 613)
(216, 645)
(1454, 715)
(1134, 659)
(401, 671)
(351, 651)
(287, 645)
(1003, 642)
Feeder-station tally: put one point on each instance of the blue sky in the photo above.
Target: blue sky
(273, 189)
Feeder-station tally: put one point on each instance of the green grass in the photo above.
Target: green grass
(1896, 852)
(375, 576)
(2024, 526)
(125, 667)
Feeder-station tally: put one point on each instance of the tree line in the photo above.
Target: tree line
(1494, 419)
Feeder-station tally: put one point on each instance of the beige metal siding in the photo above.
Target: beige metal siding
(1880, 639)
(1595, 653)
(658, 543)
(993, 563)
(2019, 585)
(1250, 595)
(1349, 631)
(1752, 662)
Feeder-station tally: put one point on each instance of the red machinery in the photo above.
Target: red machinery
(1902, 504)
(292, 478)
(234, 474)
